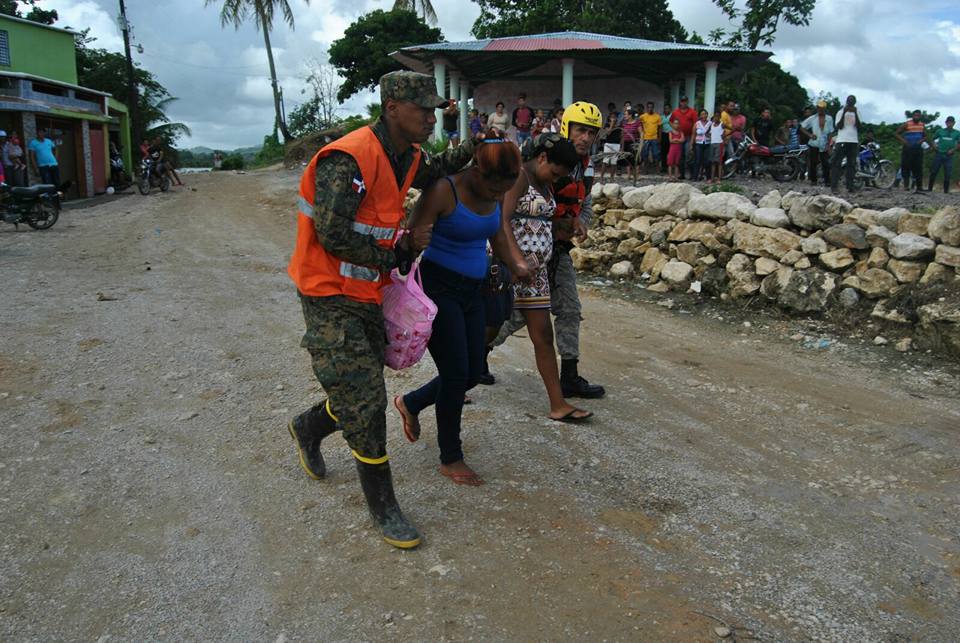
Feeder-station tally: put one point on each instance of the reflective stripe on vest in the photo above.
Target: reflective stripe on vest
(377, 232)
(353, 271)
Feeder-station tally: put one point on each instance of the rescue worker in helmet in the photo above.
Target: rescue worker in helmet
(350, 210)
(581, 123)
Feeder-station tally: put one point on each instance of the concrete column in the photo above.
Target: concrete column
(454, 92)
(29, 133)
(710, 86)
(692, 90)
(440, 75)
(464, 123)
(674, 93)
(87, 159)
(567, 81)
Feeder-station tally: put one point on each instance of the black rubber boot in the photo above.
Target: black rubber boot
(486, 377)
(307, 430)
(377, 486)
(573, 385)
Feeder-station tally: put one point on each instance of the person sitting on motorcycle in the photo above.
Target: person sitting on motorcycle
(163, 165)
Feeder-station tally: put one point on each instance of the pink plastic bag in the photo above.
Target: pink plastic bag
(408, 316)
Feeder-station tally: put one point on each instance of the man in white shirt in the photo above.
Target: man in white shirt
(817, 129)
(847, 145)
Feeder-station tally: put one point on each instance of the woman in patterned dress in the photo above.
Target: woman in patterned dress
(528, 210)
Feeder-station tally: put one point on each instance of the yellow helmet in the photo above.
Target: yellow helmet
(580, 112)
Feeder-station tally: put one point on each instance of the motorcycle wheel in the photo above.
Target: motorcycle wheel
(787, 171)
(885, 176)
(730, 168)
(43, 215)
(165, 183)
(144, 185)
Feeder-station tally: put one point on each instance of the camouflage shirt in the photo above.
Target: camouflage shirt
(336, 202)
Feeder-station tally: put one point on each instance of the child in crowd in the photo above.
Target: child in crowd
(676, 138)
(476, 125)
(539, 123)
(717, 140)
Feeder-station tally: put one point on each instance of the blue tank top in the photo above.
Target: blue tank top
(459, 241)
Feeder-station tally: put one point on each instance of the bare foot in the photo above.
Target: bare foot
(411, 424)
(570, 414)
(460, 473)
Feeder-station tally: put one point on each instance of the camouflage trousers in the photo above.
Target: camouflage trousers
(564, 303)
(346, 341)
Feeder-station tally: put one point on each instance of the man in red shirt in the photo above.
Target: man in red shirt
(687, 117)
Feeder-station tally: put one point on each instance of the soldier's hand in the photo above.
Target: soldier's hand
(420, 237)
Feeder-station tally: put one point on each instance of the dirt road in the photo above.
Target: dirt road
(149, 490)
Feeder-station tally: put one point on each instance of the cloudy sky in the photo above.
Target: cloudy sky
(891, 55)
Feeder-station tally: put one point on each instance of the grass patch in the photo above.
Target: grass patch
(723, 187)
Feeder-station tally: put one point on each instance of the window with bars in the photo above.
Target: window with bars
(4, 48)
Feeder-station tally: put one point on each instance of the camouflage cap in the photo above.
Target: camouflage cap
(409, 85)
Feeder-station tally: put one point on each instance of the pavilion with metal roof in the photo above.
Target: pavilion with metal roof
(583, 66)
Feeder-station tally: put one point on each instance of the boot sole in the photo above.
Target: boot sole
(402, 544)
(303, 462)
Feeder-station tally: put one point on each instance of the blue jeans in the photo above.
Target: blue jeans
(944, 160)
(701, 163)
(50, 174)
(457, 348)
(650, 149)
(522, 137)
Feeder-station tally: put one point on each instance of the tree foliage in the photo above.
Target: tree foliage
(418, 6)
(651, 19)
(768, 86)
(758, 22)
(35, 14)
(319, 112)
(362, 55)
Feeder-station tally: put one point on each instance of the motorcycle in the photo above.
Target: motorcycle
(119, 179)
(38, 205)
(782, 164)
(871, 169)
(152, 176)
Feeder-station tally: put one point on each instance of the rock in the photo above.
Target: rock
(764, 242)
(659, 287)
(721, 205)
(766, 266)
(904, 344)
(807, 290)
(879, 236)
(722, 631)
(653, 261)
(713, 280)
(589, 260)
(906, 271)
(770, 218)
(818, 212)
(945, 226)
(940, 326)
(640, 226)
(596, 191)
(743, 277)
(891, 217)
(664, 227)
(846, 235)
(707, 260)
(691, 251)
(911, 246)
(621, 269)
(913, 223)
(774, 283)
(878, 258)
(668, 199)
(630, 249)
(862, 217)
(792, 257)
(771, 199)
(612, 216)
(874, 283)
(611, 190)
(787, 201)
(637, 197)
(880, 311)
(948, 256)
(849, 298)
(879, 340)
(692, 231)
(837, 259)
(802, 264)
(630, 214)
(935, 273)
(813, 246)
(677, 274)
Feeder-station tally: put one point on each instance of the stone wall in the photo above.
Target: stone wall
(803, 254)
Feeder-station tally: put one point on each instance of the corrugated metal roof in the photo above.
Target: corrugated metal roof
(568, 41)
(543, 44)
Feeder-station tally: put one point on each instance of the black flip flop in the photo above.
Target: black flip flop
(570, 418)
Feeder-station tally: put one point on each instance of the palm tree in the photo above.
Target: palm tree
(429, 15)
(236, 12)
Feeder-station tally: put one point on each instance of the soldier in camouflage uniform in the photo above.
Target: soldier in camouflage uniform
(346, 337)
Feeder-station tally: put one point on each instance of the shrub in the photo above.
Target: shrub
(232, 162)
(723, 187)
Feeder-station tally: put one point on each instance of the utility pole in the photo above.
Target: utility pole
(131, 81)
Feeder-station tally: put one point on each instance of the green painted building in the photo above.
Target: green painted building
(38, 90)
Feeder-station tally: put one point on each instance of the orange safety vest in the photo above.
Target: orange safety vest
(571, 192)
(318, 273)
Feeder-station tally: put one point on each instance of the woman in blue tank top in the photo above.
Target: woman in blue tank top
(465, 214)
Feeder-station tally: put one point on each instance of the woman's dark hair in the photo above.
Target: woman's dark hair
(559, 150)
(497, 158)
(499, 104)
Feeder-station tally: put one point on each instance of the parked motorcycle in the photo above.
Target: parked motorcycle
(38, 205)
(779, 162)
(152, 176)
(119, 178)
(871, 169)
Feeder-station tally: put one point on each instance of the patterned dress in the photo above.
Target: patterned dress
(533, 230)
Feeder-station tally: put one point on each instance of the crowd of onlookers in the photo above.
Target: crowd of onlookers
(41, 154)
(686, 143)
